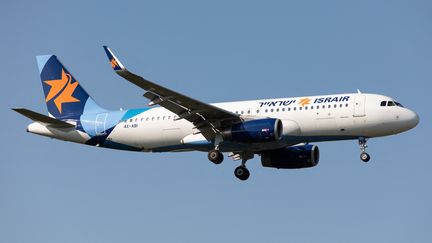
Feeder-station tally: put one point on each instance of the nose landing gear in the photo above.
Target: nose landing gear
(365, 157)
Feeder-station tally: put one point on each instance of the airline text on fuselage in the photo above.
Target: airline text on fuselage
(318, 100)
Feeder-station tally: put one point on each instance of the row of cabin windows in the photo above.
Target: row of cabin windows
(391, 103)
(154, 118)
(293, 109)
(162, 118)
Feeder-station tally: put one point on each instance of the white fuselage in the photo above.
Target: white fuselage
(305, 119)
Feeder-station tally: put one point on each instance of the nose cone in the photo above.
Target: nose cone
(411, 119)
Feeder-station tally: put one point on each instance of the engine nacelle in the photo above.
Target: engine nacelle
(255, 131)
(294, 157)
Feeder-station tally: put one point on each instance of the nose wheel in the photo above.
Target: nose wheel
(365, 157)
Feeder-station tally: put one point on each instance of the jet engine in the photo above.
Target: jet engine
(294, 157)
(254, 131)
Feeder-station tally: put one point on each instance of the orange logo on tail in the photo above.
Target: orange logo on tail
(113, 63)
(64, 87)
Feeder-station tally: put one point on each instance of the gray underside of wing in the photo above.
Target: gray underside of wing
(208, 119)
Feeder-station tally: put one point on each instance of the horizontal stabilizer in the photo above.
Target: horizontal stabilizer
(45, 120)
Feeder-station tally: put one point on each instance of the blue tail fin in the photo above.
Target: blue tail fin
(64, 96)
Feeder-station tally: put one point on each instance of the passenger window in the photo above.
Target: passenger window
(300, 108)
(271, 110)
(383, 103)
(283, 109)
(311, 107)
(323, 106)
(335, 106)
(295, 108)
(340, 105)
(257, 111)
(289, 109)
(346, 105)
(169, 117)
(277, 110)
(329, 106)
(147, 119)
(152, 118)
(306, 107)
(266, 110)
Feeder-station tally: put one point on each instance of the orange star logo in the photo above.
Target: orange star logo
(113, 63)
(304, 101)
(63, 89)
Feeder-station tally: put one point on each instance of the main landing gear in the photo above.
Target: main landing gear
(240, 172)
(365, 157)
(215, 156)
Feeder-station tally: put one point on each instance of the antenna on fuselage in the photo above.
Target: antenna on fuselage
(358, 91)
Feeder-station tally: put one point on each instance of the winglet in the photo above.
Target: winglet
(114, 61)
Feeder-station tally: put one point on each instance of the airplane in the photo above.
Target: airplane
(279, 130)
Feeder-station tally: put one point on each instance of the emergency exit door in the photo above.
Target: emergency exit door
(359, 105)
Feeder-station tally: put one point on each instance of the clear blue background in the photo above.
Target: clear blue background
(53, 191)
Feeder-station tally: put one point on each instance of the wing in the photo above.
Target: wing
(208, 119)
(45, 120)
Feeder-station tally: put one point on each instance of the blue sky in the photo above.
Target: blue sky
(52, 191)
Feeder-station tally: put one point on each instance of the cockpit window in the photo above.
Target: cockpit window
(391, 103)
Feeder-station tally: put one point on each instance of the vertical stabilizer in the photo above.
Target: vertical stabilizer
(64, 96)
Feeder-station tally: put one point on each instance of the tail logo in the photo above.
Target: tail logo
(61, 90)
(114, 64)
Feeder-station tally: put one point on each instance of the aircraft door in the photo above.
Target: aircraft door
(359, 105)
(100, 123)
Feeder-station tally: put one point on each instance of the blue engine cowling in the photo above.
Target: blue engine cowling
(294, 157)
(255, 131)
